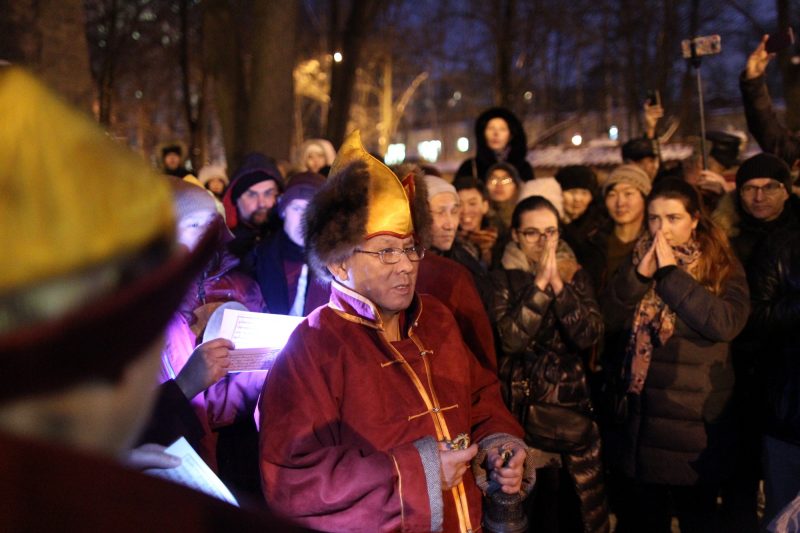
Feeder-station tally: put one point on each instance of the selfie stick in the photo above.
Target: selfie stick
(695, 62)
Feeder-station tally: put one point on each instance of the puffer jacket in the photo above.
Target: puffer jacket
(680, 430)
(531, 322)
(775, 286)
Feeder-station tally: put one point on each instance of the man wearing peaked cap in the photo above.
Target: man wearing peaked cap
(362, 410)
(91, 277)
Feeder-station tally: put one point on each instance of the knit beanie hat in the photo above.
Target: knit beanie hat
(547, 188)
(439, 186)
(302, 186)
(637, 149)
(189, 199)
(764, 166)
(577, 177)
(245, 181)
(630, 174)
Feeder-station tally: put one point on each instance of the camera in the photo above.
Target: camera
(703, 46)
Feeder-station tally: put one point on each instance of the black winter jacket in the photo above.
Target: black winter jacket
(775, 286)
(680, 429)
(763, 124)
(531, 321)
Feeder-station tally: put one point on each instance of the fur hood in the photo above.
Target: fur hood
(335, 220)
(518, 143)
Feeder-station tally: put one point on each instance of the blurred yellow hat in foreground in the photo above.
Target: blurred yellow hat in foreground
(70, 197)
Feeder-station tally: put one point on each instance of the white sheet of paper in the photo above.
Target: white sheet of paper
(193, 472)
(253, 359)
(258, 337)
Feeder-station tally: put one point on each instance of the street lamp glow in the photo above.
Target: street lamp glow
(337, 56)
(462, 144)
(395, 154)
(577, 139)
(429, 150)
(613, 133)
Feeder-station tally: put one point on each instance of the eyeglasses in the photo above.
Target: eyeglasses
(768, 189)
(494, 182)
(533, 235)
(391, 256)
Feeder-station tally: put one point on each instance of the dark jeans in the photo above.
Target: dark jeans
(781, 475)
(554, 507)
(648, 508)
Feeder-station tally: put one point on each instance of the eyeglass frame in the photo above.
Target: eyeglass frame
(395, 253)
(770, 188)
(494, 182)
(530, 232)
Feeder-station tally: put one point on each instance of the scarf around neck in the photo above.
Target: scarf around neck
(654, 321)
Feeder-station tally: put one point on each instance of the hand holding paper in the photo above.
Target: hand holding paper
(258, 337)
(208, 364)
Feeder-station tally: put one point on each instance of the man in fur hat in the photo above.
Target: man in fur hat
(93, 275)
(362, 412)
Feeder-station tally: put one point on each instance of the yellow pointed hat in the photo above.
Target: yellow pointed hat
(389, 209)
(70, 197)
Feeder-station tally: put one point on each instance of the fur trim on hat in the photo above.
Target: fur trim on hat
(334, 222)
(336, 218)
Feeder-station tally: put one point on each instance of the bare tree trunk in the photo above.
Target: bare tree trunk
(504, 42)
(49, 37)
(343, 74)
(269, 119)
(224, 64)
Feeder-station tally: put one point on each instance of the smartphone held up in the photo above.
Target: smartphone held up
(701, 46)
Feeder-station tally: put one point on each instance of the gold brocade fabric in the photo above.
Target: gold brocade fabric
(388, 207)
(57, 164)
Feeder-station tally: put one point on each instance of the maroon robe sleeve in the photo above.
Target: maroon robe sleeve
(314, 469)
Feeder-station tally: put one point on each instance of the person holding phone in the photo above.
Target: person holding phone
(772, 136)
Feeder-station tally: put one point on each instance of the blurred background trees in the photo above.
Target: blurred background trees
(233, 76)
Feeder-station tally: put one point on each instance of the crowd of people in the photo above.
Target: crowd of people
(614, 350)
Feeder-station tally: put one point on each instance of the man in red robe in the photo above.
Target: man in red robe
(362, 412)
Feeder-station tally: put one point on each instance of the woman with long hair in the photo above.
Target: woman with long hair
(547, 318)
(683, 297)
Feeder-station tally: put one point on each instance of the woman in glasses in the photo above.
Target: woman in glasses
(546, 316)
(683, 297)
(504, 184)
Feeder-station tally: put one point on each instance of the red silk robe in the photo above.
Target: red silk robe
(342, 408)
(452, 284)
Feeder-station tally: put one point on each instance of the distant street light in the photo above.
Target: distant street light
(337, 56)
(577, 139)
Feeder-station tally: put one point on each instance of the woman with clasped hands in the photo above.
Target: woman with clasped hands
(684, 297)
(547, 318)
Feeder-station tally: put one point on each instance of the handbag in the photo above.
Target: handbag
(549, 424)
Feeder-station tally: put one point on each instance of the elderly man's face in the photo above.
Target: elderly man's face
(763, 198)
(255, 203)
(445, 210)
(389, 287)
